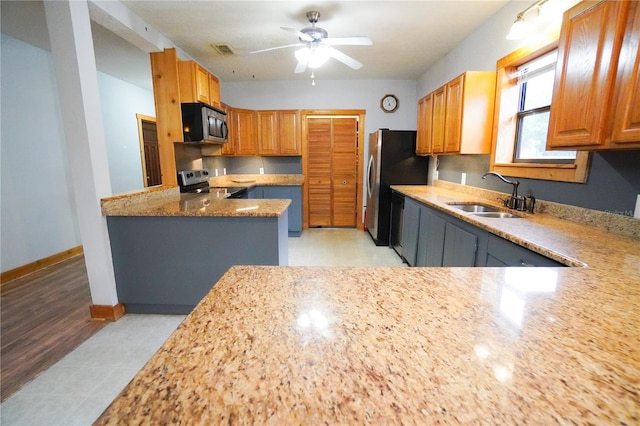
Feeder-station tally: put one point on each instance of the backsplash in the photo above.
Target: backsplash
(613, 181)
(252, 165)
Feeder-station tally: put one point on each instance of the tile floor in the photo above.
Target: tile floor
(77, 389)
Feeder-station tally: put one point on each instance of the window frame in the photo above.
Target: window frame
(505, 119)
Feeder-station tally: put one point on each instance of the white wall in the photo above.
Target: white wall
(38, 216)
(121, 101)
(478, 52)
(332, 94)
(38, 211)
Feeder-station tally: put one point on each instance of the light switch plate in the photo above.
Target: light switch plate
(224, 171)
(216, 172)
(636, 212)
(463, 179)
(261, 170)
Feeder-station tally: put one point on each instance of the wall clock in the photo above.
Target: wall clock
(389, 103)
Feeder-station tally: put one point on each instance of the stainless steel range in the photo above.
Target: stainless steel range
(197, 181)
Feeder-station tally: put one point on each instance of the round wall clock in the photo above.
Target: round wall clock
(389, 103)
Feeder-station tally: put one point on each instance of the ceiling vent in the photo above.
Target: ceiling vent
(223, 49)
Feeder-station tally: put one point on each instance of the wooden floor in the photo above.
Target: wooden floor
(43, 317)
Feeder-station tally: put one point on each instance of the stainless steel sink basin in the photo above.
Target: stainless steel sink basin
(501, 215)
(475, 208)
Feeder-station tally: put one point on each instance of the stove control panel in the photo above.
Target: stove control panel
(192, 177)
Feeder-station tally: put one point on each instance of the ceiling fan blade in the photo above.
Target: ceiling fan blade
(347, 41)
(303, 36)
(300, 68)
(279, 47)
(345, 59)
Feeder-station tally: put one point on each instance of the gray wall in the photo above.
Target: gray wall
(614, 177)
(252, 165)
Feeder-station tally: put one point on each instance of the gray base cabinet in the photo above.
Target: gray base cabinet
(293, 193)
(410, 230)
(501, 252)
(431, 237)
(165, 265)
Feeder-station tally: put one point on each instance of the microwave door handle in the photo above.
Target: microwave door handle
(225, 130)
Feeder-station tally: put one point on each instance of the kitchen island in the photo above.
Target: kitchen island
(315, 345)
(169, 248)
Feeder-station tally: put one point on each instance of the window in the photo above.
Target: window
(521, 119)
(535, 86)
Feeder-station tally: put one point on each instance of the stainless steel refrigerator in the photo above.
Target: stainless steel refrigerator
(392, 161)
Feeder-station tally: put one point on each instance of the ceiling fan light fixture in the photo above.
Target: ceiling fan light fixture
(314, 57)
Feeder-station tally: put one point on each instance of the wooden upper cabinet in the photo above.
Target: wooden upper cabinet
(424, 126)
(595, 94)
(267, 133)
(438, 120)
(279, 132)
(453, 114)
(626, 115)
(457, 117)
(194, 82)
(214, 91)
(290, 137)
(244, 131)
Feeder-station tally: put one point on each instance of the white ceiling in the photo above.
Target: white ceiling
(408, 36)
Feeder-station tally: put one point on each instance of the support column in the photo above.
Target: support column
(77, 80)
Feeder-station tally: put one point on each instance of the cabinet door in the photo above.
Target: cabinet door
(410, 230)
(626, 117)
(245, 132)
(289, 133)
(214, 91)
(585, 73)
(293, 193)
(202, 84)
(460, 247)
(430, 239)
(438, 123)
(267, 133)
(425, 125)
(453, 114)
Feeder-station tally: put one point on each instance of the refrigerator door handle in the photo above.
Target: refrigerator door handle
(369, 177)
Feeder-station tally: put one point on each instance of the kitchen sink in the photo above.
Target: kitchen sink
(496, 214)
(475, 208)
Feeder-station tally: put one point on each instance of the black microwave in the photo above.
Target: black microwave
(204, 123)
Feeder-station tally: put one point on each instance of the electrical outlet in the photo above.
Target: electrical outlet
(224, 170)
(636, 212)
(463, 178)
(435, 175)
(216, 172)
(261, 170)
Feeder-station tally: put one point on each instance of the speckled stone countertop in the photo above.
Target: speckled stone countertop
(570, 242)
(316, 345)
(168, 201)
(313, 345)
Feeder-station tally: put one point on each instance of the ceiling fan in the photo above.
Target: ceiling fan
(318, 46)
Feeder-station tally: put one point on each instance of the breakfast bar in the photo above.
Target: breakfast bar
(169, 248)
(318, 345)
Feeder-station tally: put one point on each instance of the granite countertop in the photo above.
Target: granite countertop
(285, 345)
(566, 240)
(315, 345)
(168, 201)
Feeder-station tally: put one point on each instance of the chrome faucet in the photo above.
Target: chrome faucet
(513, 202)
